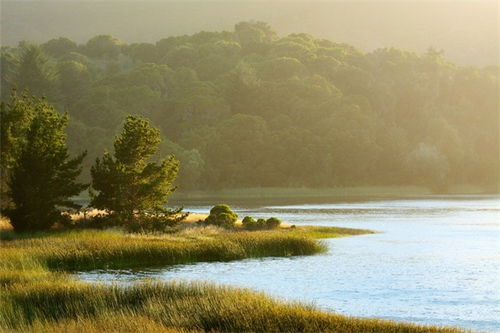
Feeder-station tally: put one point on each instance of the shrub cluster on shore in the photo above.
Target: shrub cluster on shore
(221, 215)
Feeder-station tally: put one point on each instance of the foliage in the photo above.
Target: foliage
(428, 165)
(41, 176)
(58, 47)
(34, 72)
(249, 223)
(130, 186)
(261, 223)
(221, 215)
(273, 222)
(248, 108)
(156, 222)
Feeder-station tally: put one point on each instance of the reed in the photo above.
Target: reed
(85, 250)
(37, 295)
(165, 307)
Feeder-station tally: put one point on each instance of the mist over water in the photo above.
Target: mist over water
(434, 260)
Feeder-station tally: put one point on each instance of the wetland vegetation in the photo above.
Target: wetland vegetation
(38, 295)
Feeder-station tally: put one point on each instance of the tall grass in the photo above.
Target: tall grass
(86, 250)
(71, 307)
(36, 295)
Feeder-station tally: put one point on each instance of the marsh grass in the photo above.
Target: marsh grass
(166, 307)
(36, 295)
(90, 249)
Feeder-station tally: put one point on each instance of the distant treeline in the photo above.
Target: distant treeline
(248, 108)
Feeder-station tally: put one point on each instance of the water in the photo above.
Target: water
(435, 260)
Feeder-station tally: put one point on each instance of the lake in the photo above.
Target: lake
(435, 260)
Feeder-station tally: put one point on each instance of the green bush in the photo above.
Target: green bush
(153, 222)
(222, 216)
(273, 222)
(146, 222)
(249, 223)
(261, 223)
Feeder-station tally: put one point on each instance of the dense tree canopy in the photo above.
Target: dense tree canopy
(39, 172)
(250, 108)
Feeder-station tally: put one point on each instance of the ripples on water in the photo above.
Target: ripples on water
(434, 261)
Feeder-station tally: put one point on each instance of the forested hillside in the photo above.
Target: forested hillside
(249, 108)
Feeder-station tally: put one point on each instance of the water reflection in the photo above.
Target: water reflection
(436, 260)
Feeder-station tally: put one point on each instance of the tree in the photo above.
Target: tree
(126, 184)
(428, 166)
(74, 80)
(103, 46)
(58, 47)
(34, 72)
(254, 36)
(42, 176)
(16, 116)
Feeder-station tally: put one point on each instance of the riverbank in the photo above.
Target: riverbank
(237, 195)
(71, 306)
(37, 295)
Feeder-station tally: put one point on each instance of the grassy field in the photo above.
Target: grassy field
(37, 294)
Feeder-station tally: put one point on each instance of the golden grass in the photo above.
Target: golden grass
(5, 224)
(36, 295)
(165, 307)
(92, 249)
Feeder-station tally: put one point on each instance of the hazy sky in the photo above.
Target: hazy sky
(468, 31)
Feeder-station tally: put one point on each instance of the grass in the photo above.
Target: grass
(37, 294)
(92, 249)
(165, 307)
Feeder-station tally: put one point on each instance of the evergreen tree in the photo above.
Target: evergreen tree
(41, 175)
(34, 72)
(127, 185)
(16, 116)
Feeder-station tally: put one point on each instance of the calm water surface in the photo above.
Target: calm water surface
(435, 260)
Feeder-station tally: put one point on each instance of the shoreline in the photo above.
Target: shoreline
(35, 283)
(276, 194)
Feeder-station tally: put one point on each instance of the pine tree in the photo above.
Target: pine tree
(41, 176)
(130, 187)
(16, 116)
(34, 71)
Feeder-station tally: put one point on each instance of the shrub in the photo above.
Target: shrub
(221, 215)
(249, 223)
(154, 222)
(261, 223)
(273, 222)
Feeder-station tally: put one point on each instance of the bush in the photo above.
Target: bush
(249, 223)
(153, 222)
(222, 216)
(261, 223)
(146, 222)
(273, 222)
